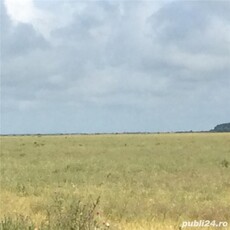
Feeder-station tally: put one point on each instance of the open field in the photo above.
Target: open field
(151, 181)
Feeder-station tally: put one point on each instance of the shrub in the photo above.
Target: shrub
(18, 223)
(225, 163)
(75, 216)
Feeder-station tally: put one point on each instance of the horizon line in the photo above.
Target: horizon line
(106, 133)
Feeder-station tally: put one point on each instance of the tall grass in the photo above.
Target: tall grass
(143, 180)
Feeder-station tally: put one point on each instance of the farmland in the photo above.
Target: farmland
(141, 181)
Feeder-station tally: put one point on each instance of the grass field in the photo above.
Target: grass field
(151, 181)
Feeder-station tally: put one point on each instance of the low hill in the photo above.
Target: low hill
(222, 128)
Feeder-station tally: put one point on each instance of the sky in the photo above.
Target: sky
(114, 66)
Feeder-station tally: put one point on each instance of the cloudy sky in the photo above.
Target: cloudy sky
(114, 66)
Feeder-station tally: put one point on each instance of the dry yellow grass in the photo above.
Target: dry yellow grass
(152, 181)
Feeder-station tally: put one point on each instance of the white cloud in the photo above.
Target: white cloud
(24, 11)
(44, 20)
(21, 11)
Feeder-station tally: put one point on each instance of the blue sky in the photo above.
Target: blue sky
(114, 66)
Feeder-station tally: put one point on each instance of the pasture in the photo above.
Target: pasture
(141, 181)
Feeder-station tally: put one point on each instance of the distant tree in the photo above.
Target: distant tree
(222, 128)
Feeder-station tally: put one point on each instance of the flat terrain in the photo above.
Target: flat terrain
(145, 181)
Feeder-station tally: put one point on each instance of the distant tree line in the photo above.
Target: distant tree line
(222, 128)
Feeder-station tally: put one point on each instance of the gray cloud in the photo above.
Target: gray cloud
(153, 66)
